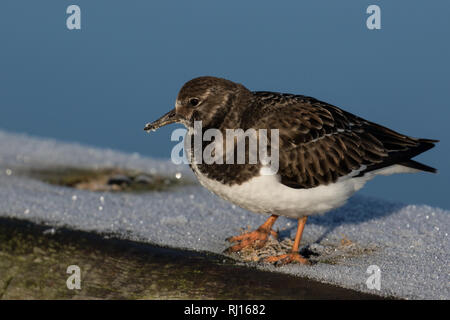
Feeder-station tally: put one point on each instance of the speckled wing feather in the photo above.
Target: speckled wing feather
(321, 142)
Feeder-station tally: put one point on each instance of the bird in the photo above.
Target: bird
(325, 154)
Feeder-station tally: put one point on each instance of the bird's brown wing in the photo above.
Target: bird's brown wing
(321, 142)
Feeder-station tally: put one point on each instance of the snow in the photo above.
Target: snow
(409, 243)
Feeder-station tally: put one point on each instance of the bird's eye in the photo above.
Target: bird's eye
(193, 101)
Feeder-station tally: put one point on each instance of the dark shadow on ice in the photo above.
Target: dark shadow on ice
(358, 209)
(125, 269)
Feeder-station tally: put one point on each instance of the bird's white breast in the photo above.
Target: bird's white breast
(266, 194)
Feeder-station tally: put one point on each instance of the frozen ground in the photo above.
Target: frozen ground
(409, 243)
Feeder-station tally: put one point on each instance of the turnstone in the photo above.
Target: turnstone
(325, 153)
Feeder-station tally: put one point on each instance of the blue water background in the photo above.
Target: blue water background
(101, 84)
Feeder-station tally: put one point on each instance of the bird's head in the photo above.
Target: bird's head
(206, 99)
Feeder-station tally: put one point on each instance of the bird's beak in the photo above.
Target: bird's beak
(168, 118)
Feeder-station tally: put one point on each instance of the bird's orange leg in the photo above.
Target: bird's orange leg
(255, 238)
(294, 256)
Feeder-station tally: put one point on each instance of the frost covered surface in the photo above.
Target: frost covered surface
(409, 243)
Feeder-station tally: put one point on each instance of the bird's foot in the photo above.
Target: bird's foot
(256, 239)
(293, 257)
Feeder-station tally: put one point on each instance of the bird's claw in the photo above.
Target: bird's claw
(255, 238)
(293, 257)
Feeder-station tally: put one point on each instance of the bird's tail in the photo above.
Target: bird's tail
(419, 166)
(424, 145)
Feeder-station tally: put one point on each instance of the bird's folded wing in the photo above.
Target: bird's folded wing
(321, 142)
